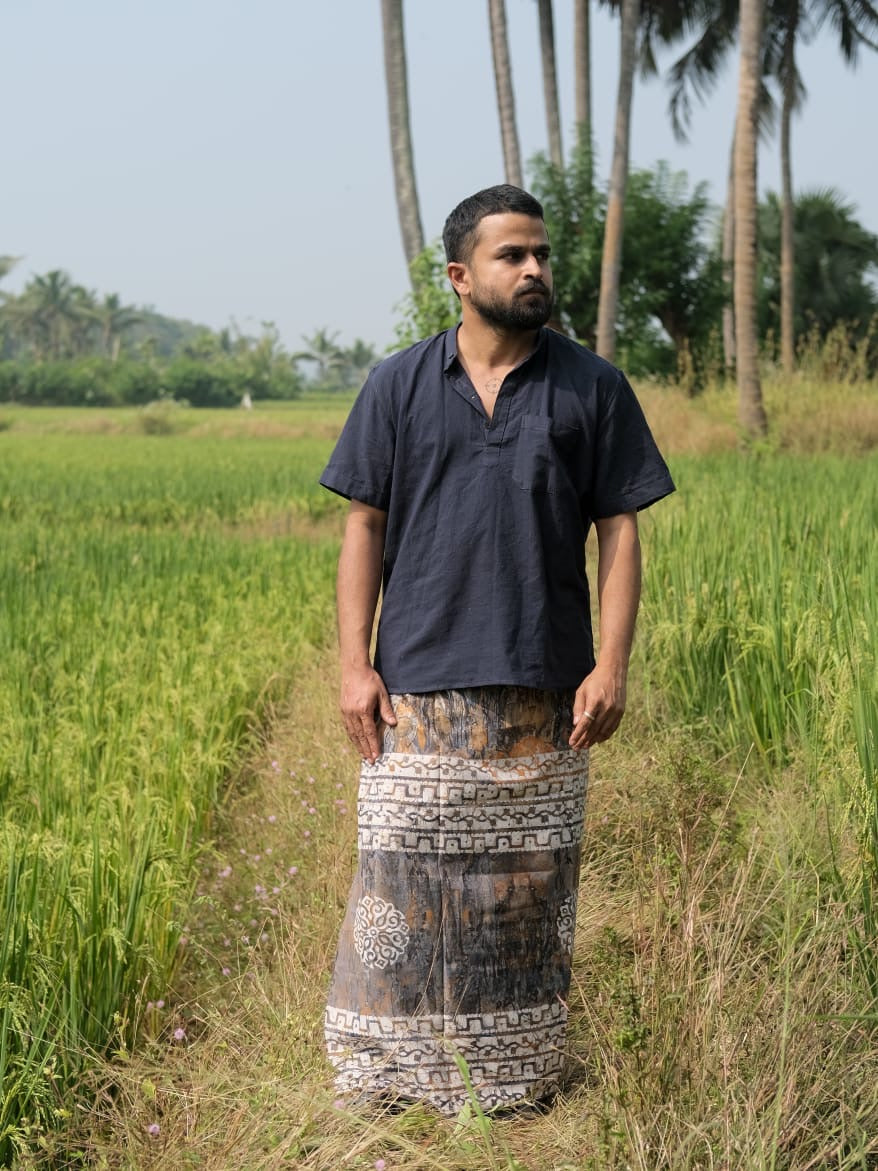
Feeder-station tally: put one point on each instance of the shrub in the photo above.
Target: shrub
(202, 385)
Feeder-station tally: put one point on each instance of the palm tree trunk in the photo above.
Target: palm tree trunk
(611, 260)
(550, 81)
(582, 71)
(728, 255)
(751, 412)
(787, 239)
(400, 129)
(505, 93)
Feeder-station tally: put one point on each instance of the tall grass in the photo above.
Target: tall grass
(760, 629)
(760, 615)
(154, 594)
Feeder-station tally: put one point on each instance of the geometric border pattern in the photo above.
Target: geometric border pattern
(508, 1055)
(475, 806)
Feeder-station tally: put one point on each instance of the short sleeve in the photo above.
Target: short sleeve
(629, 472)
(361, 466)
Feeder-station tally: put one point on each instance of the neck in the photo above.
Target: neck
(488, 345)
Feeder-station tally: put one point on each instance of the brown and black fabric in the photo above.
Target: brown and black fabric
(454, 956)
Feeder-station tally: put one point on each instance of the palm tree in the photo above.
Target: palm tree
(786, 24)
(611, 261)
(797, 20)
(400, 129)
(582, 72)
(835, 258)
(751, 412)
(550, 81)
(53, 315)
(114, 319)
(505, 93)
(357, 360)
(323, 350)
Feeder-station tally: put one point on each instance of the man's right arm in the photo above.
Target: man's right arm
(364, 698)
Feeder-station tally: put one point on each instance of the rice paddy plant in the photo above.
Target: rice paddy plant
(760, 628)
(760, 618)
(148, 610)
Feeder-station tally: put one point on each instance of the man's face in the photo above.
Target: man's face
(508, 276)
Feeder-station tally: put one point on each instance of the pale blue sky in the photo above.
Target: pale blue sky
(223, 159)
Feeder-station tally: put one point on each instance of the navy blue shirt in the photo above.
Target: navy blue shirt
(484, 563)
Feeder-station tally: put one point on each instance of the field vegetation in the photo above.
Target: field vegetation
(179, 806)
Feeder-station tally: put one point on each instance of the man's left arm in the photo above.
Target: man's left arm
(600, 699)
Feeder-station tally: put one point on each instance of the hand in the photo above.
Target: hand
(364, 704)
(598, 707)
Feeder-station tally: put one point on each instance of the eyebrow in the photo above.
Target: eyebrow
(510, 247)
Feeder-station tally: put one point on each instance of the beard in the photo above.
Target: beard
(522, 312)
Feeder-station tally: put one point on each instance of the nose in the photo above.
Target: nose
(534, 267)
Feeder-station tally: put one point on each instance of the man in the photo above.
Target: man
(475, 463)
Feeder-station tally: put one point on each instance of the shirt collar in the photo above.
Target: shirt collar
(450, 346)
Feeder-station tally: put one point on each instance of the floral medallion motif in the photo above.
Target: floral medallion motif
(567, 922)
(381, 933)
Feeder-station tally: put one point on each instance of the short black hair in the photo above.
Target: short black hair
(459, 232)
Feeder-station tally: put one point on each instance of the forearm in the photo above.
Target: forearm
(359, 582)
(619, 578)
(599, 703)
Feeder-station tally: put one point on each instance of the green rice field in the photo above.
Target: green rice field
(160, 594)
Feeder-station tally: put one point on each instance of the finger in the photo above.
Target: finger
(370, 737)
(356, 735)
(386, 708)
(583, 731)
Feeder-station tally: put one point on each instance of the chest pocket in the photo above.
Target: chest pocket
(545, 454)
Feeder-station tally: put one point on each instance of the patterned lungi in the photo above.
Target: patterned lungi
(459, 927)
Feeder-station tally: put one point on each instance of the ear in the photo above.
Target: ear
(457, 274)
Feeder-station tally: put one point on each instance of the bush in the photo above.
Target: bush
(10, 381)
(160, 417)
(72, 383)
(136, 382)
(202, 385)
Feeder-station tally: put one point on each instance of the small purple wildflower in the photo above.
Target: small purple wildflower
(226, 872)
(227, 971)
(272, 819)
(153, 1129)
(179, 1034)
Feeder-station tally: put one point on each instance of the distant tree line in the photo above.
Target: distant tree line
(63, 344)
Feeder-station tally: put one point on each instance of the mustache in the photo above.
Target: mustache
(535, 287)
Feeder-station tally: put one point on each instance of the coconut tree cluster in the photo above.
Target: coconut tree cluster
(766, 36)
